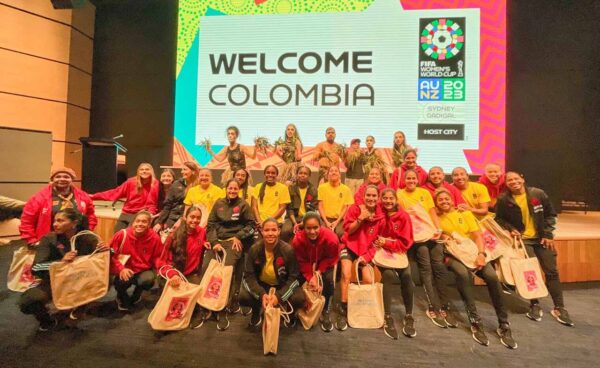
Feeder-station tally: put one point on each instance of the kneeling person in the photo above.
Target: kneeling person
(270, 263)
(317, 246)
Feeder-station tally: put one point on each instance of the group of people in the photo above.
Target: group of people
(287, 231)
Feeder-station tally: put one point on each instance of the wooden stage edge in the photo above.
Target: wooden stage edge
(577, 243)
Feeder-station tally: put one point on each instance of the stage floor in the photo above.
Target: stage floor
(107, 338)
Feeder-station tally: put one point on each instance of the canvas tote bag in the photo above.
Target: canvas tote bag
(386, 258)
(215, 284)
(81, 281)
(270, 327)
(422, 225)
(528, 276)
(19, 276)
(496, 240)
(464, 249)
(123, 258)
(365, 304)
(176, 304)
(503, 269)
(315, 302)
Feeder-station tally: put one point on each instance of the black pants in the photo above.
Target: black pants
(287, 230)
(234, 259)
(33, 301)
(547, 258)
(464, 283)
(328, 287)
(123, 222)
(297, 299)
(143, 280)
(430, 259)
(391, 276)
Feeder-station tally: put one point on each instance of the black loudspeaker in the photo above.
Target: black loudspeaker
(67, 4)
(99, 164)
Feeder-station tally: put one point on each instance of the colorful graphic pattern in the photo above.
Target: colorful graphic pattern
(442, 39)
(492, 68)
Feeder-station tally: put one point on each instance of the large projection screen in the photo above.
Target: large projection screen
(432, 69)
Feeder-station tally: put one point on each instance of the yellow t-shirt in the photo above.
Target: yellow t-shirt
(521, 200)
(419, 195)
(463, 223)
(334, 198)
(250, 192)
(475, 194)
(267, 274)
(196, 195)
(302, 209)
(275, 195)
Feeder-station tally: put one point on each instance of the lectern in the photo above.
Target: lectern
(99, 164)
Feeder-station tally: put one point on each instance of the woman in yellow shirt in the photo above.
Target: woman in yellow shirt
(203, 195)
(465, 224)
(334, 200)
(270, 198)
(429, 254)
(475, 195)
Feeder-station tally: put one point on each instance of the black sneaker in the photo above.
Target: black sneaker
(436, 318)
(409, 326)
(341, 323)
(448, 316)
(203, 316)
(535, 312)
(256, 319)
(222, 321)
(478, 334)
(234, 306)
(122, 305)
(506, 336)
(245, 311)
(562, 316)
(291, 323)
(136, 297)
(389, 328)
(326, 324)
(48, 324)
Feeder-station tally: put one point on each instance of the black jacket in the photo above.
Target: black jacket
(295, 200)
(52, 248)
(228, 219)
(173, 206)
(286, 270)
(508, 213)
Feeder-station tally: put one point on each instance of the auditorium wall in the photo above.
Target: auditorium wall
(46, 60)
(552, 91)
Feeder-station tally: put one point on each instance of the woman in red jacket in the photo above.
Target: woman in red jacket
(493, 179)
(396, 236)
(140, 193)
(375, 177)
(361, 228)
(317, 246)
(36, 220)
(410, 163)
(142, 247)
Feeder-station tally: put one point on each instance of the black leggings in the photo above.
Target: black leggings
(430, 259)
(143, 280)
(391, 276)
(464, 283)
(33, 301)
(547, 258)
(297, 299)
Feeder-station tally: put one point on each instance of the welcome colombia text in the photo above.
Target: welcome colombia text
(292, 63)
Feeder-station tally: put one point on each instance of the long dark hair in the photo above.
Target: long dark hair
(263, 187)
(243, 186)
(179, 241)
(161, 187)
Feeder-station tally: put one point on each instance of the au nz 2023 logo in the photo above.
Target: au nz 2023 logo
(442, 59)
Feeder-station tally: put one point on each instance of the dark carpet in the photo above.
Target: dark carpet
(106, 338)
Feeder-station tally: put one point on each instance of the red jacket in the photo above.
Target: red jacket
(359, 196)
(36, 220)
(493, 189)
(325, 252)
(456, 195)
(397, 180)
(144, 251)
(398, 229)
(146, 199)
(361, 241)
(194, 249)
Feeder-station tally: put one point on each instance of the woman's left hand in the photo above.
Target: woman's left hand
(480, 261)
(236, 244)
